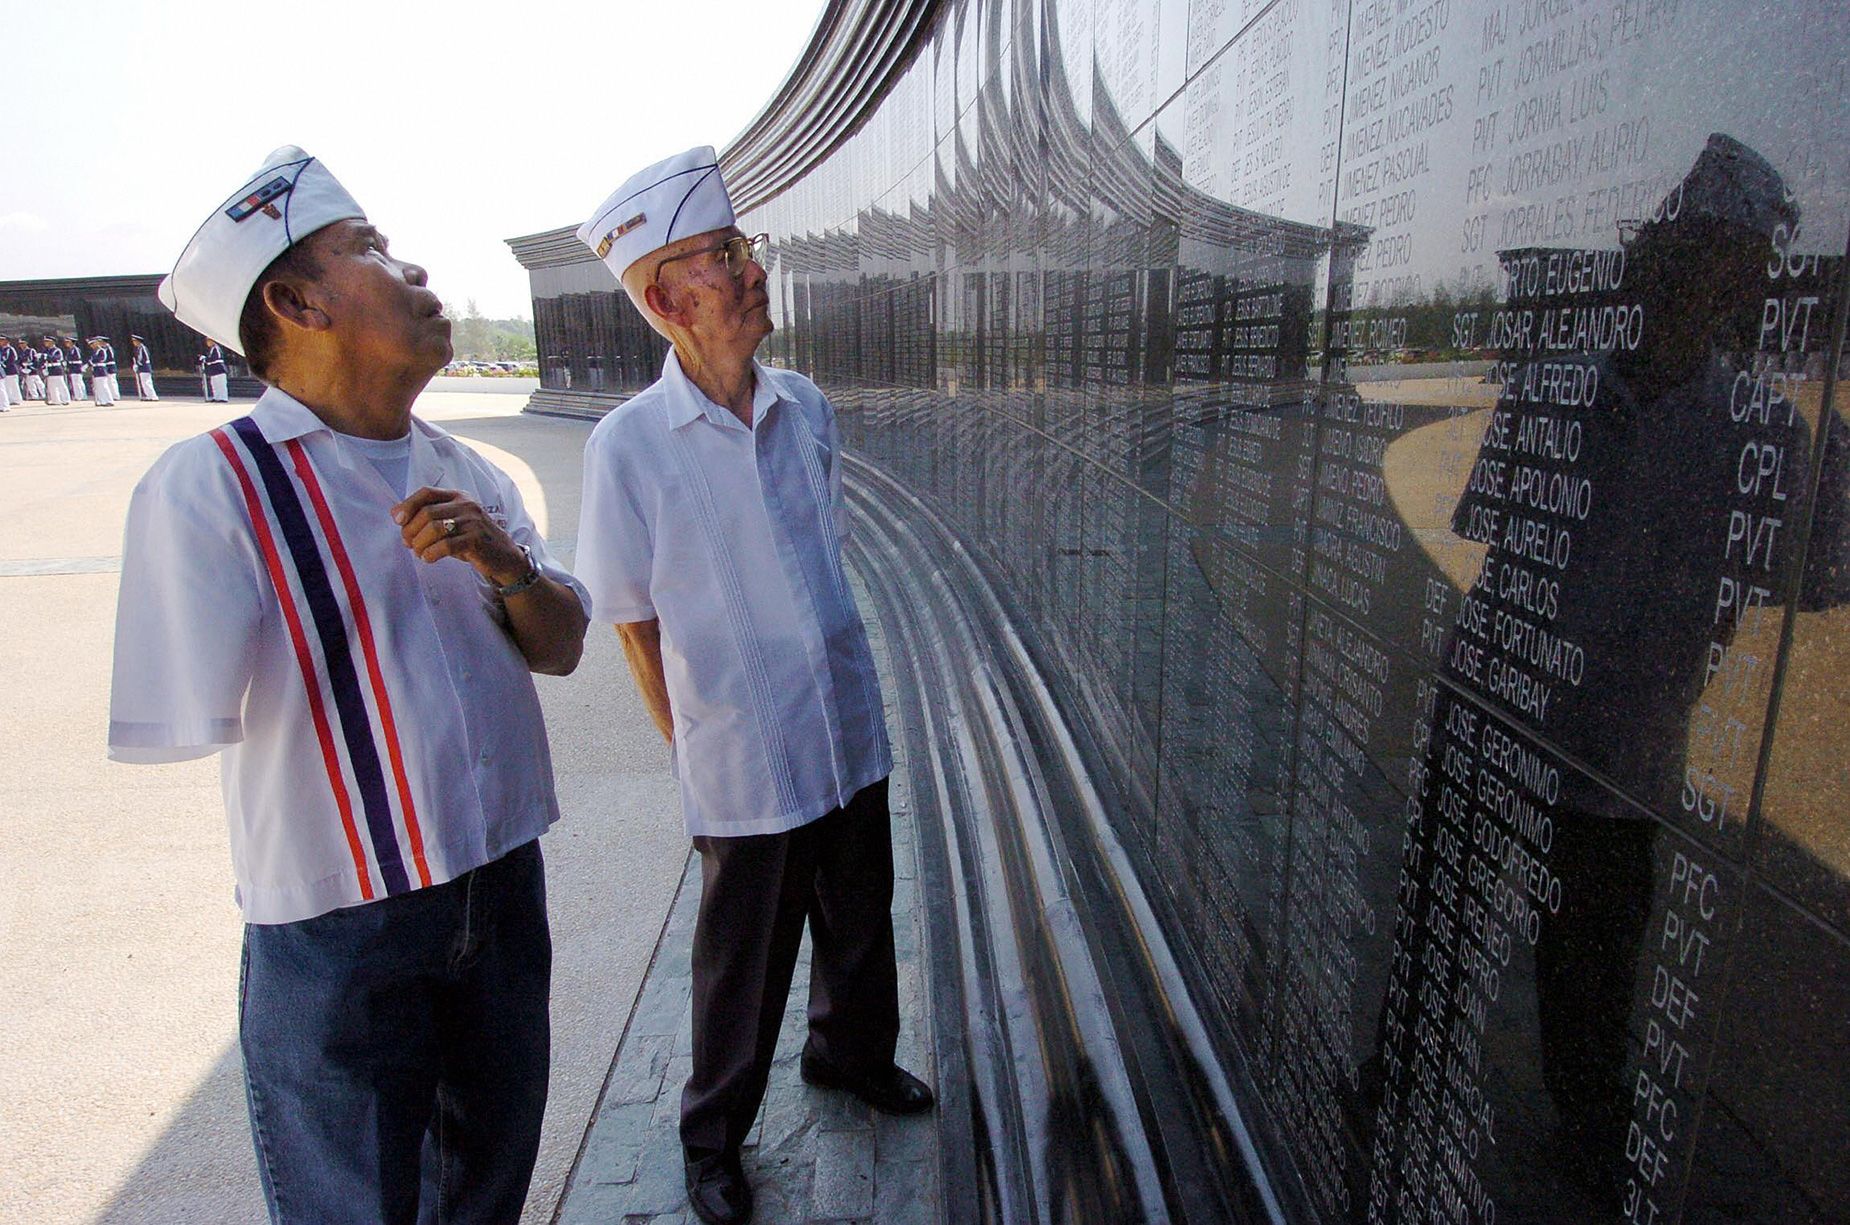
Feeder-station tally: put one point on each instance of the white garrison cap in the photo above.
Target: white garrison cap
(670, 200)
(289, 197)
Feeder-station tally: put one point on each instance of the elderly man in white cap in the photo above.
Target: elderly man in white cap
(348, 603)
(711, 536)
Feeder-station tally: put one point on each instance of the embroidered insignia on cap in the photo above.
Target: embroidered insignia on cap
(264, 199)
(603, 248)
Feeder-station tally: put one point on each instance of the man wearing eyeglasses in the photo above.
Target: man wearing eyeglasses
(711, 536)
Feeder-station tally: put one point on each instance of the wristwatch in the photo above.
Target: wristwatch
(526, 580)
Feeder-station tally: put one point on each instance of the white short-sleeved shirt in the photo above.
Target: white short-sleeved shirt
(731, 537)
(380, 728)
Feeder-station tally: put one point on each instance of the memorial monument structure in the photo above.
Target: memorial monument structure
(1360, 498)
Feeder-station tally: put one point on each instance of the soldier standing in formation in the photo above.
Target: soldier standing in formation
(9, 375)
(51, 367)
(34, 371)
(102, 387)
(74, 367)
(217, 377)
(109, 363)
(31, 368)
(18, 355)
(144, 368)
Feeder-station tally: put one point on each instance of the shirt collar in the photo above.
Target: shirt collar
(280, 417)
(688, 402)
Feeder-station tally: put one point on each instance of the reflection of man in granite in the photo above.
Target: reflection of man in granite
(1656, 453)
(1603, 491)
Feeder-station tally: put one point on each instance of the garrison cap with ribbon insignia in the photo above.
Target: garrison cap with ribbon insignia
(289, 197)
(673, 199)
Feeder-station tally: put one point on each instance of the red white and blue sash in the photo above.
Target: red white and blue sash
(327, 660)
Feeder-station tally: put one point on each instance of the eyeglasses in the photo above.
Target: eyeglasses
(736, 252)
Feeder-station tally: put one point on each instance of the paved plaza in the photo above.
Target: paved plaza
(124, 1098)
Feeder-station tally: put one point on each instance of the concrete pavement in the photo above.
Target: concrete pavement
(123, 1100)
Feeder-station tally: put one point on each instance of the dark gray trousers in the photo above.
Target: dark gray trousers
(836, 873)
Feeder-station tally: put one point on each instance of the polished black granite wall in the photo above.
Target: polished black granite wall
(111, 306)
(590, 338)
(1408, 427)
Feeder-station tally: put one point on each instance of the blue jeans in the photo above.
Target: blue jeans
(396, 1053)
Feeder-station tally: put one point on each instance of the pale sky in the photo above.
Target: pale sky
(456, 125)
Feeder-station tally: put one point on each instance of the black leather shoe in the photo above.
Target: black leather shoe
(717, 1190)
(894, 1091)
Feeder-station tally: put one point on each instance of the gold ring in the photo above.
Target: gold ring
(449, 527)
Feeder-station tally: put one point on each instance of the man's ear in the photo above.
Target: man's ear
(662, 303)
(286, 301)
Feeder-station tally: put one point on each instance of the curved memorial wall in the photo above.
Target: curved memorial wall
(1404, 433)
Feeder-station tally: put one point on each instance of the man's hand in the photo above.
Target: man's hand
(440, 523)
(546, 621)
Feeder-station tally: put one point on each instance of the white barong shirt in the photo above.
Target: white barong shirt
(379, 726)
(731, 537)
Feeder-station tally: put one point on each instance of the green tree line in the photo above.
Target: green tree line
(475, 338)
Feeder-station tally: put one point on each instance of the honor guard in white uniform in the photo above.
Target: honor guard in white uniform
(347, 603)
(143, 362)
(9, 375)
(100, 384)
(57, 382)
(711, 535)
(109, 362)
(216, 375)
(74, 366)
(32, 370)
